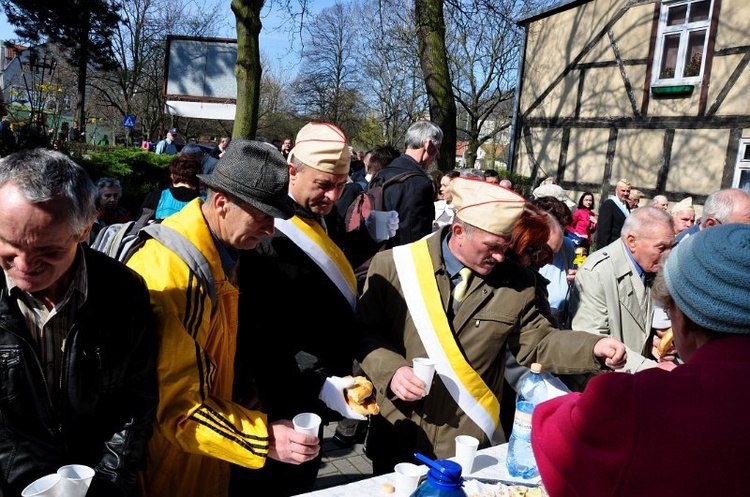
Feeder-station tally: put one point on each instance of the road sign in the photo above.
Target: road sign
(128, 121)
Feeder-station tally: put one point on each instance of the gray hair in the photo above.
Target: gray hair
(472, 173)
(421, 131)
(720, 205)
(642, 220)
(108, 183)
(43, 175)
(659, 198)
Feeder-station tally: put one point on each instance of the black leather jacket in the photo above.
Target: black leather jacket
(108, 386)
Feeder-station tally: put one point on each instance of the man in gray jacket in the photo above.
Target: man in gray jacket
(612, 295)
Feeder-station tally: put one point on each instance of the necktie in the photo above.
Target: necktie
(460, 291)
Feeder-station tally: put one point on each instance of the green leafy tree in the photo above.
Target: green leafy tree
(84, 27)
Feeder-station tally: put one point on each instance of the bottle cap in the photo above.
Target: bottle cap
(443, 473)
(536, 368)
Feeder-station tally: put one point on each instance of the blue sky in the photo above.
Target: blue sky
(275, 41)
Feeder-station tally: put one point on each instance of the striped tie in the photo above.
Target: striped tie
(460, 291)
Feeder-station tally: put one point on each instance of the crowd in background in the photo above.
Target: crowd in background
(192, 392)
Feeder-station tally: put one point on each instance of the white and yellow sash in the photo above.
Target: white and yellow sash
(471, 393)
(308, 235)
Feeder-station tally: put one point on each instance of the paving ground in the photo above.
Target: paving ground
(341, 466)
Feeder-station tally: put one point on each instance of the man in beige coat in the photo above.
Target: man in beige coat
(612, 295)
(407, 310)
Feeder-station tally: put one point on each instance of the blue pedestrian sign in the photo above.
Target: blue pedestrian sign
(128, 121)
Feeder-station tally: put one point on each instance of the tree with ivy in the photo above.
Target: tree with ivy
(83, 27)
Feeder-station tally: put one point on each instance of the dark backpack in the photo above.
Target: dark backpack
(121, 240)
(371, 199)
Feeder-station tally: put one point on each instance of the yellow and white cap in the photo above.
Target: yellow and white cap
(487, 206)
(686, 204)
(322, 146)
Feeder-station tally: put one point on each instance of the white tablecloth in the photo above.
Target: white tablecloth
(489, 463)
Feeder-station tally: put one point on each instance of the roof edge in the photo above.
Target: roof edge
(548, 11)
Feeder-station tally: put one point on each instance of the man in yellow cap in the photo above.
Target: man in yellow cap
(304, 284)
(683, 215)
(411, 308)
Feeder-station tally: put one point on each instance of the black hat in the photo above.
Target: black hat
(173, 131)
(254, 173)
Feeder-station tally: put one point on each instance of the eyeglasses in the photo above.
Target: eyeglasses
(534, 253)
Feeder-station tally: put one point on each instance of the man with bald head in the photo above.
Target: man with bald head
(611, 294)
(727, 206)
(660, 201)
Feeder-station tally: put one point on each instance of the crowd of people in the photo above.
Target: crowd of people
(167, 383)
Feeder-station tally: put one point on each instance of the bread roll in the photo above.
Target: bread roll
(361, 390)
(666, 343)
(360, 397)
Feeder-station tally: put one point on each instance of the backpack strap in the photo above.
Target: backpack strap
(109, 238)
(400, 178)
(187, 251)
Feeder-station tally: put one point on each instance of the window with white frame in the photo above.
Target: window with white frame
(742, 169)
(681, 42)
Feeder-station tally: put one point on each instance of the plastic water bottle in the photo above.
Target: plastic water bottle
(443, 479)
(531, 391)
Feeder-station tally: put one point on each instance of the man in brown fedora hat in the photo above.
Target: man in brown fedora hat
(199, 430)
(455, 298)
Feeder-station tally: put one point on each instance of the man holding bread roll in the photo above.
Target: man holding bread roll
(408, 309)
(302, 279)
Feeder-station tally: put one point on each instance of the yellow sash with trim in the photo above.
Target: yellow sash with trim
(310, 236)
(468, 389)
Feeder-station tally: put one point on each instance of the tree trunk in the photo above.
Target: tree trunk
(434, 60)
(83, 61)
(247, 69)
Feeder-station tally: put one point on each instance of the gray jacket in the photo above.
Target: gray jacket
(608, 298)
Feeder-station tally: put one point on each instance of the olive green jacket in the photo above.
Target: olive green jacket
(500, 310)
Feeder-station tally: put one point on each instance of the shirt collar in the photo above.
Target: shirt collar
(452, 264)
(227, 255)
(638, 269)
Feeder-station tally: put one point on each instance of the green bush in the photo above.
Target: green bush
(139, 171)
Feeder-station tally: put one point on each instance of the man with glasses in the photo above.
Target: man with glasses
(413, 198)
(455, 298)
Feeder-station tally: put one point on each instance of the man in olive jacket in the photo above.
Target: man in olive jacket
(408, 311)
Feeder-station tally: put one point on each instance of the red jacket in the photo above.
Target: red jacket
(581, 224)
(654, 433)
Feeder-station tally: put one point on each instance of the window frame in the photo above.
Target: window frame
(684, 30)
(743, 164)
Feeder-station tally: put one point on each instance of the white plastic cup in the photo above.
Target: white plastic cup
(46, 486)
(407, 478)
(466, 451)
(307, 422)
(424, 368)
(76, 479)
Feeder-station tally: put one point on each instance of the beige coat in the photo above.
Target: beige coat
(499, 311)
(609, 298)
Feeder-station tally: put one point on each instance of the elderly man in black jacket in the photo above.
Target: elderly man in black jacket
(413, 199)
(77, 336)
